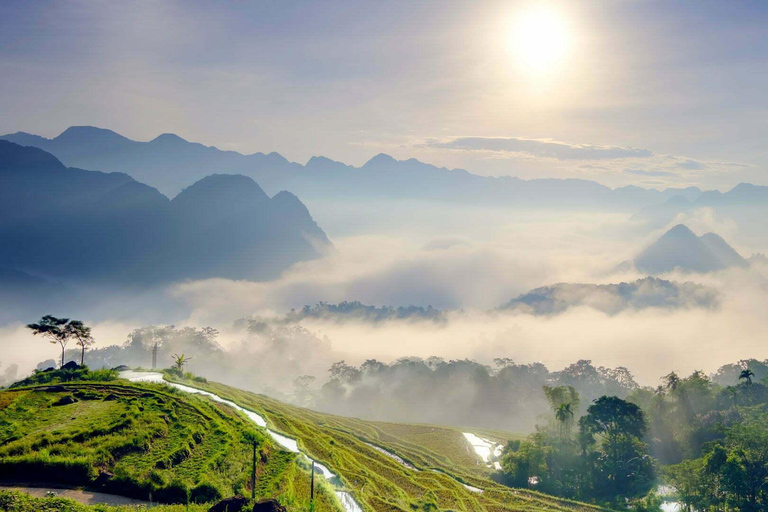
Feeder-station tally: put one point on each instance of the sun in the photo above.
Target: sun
(539, 39)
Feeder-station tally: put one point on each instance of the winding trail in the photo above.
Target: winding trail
(345, 497)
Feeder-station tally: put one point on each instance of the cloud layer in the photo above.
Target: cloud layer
(542, 148)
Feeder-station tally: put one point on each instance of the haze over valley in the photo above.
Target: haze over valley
(384, 256)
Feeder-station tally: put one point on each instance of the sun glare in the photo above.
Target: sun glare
(539, 39)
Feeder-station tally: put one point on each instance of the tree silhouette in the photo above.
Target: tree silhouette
(746, 375)
(671, 380)
(82, 334)
(564, 401)
(564, 415)
(56, 330)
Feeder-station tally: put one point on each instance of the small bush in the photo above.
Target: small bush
(204, 492)
(175, 492)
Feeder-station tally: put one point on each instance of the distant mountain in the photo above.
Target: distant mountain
(614, 298)
(351, 311)
(169, 163)
(69, 225)
(745, 203)
(679, 248)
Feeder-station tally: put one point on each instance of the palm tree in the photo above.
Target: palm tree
(564, 401)
(179, 361)
(747, 375)
(564, 415)
(672, 381)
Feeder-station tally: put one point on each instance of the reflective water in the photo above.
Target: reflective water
(392, 456)
(292, 445)
(485, 449)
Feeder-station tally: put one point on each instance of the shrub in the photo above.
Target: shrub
(41, 466)
(205, 492)
(175, 492)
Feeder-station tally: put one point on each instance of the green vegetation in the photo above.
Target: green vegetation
(712, 439)
(443, 460)
(55, 376)
(144, 441)
(708, 441)
(605, 462)
(61, 331)
(14, 501)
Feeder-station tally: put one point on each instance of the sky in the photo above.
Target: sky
(621, 92)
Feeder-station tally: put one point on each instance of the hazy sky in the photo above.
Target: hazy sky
(651, 93)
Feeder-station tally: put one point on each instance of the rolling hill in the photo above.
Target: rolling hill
(612, 299)
(132, 438)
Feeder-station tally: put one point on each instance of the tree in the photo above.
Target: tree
(623, 467)
(671, 380)
(746, 375)
(733, 475)
(179, 361)
(55, 330)
(82, 335)
(564, 401)
(344, 373)
(564, 415)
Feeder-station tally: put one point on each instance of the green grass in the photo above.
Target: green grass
(441, 455)
(14, 501)
(134, 439)
(144, 441)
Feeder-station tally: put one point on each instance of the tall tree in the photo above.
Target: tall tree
(564, 401)
(623, 466)
(55, 330)
(82, 335)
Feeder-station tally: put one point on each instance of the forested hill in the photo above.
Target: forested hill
(69, 224)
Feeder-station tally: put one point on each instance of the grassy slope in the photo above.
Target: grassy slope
(380, 483)
(137, 439)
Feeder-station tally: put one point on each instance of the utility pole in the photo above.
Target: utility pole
(154, 356)
(253, 474)
(312, 484)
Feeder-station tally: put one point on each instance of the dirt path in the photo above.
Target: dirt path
(84, 497)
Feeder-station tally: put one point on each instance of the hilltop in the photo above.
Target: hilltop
(679, 248)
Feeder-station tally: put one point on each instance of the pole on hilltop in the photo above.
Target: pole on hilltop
(253, 473)
(312, 484)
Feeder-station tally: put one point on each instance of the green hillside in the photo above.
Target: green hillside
(442, 459)
(146, 440)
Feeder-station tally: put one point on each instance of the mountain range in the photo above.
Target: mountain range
(169, 162)
(73, 225)
(679, 248)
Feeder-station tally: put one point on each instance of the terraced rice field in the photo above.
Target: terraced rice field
(143, 441)
(443, 468)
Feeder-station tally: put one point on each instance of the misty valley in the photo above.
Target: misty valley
(501, 358)
(390, 256)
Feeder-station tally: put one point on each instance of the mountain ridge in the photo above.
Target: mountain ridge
(168, 161)
(72, 224)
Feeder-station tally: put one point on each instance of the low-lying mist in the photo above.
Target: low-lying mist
(465, 271)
